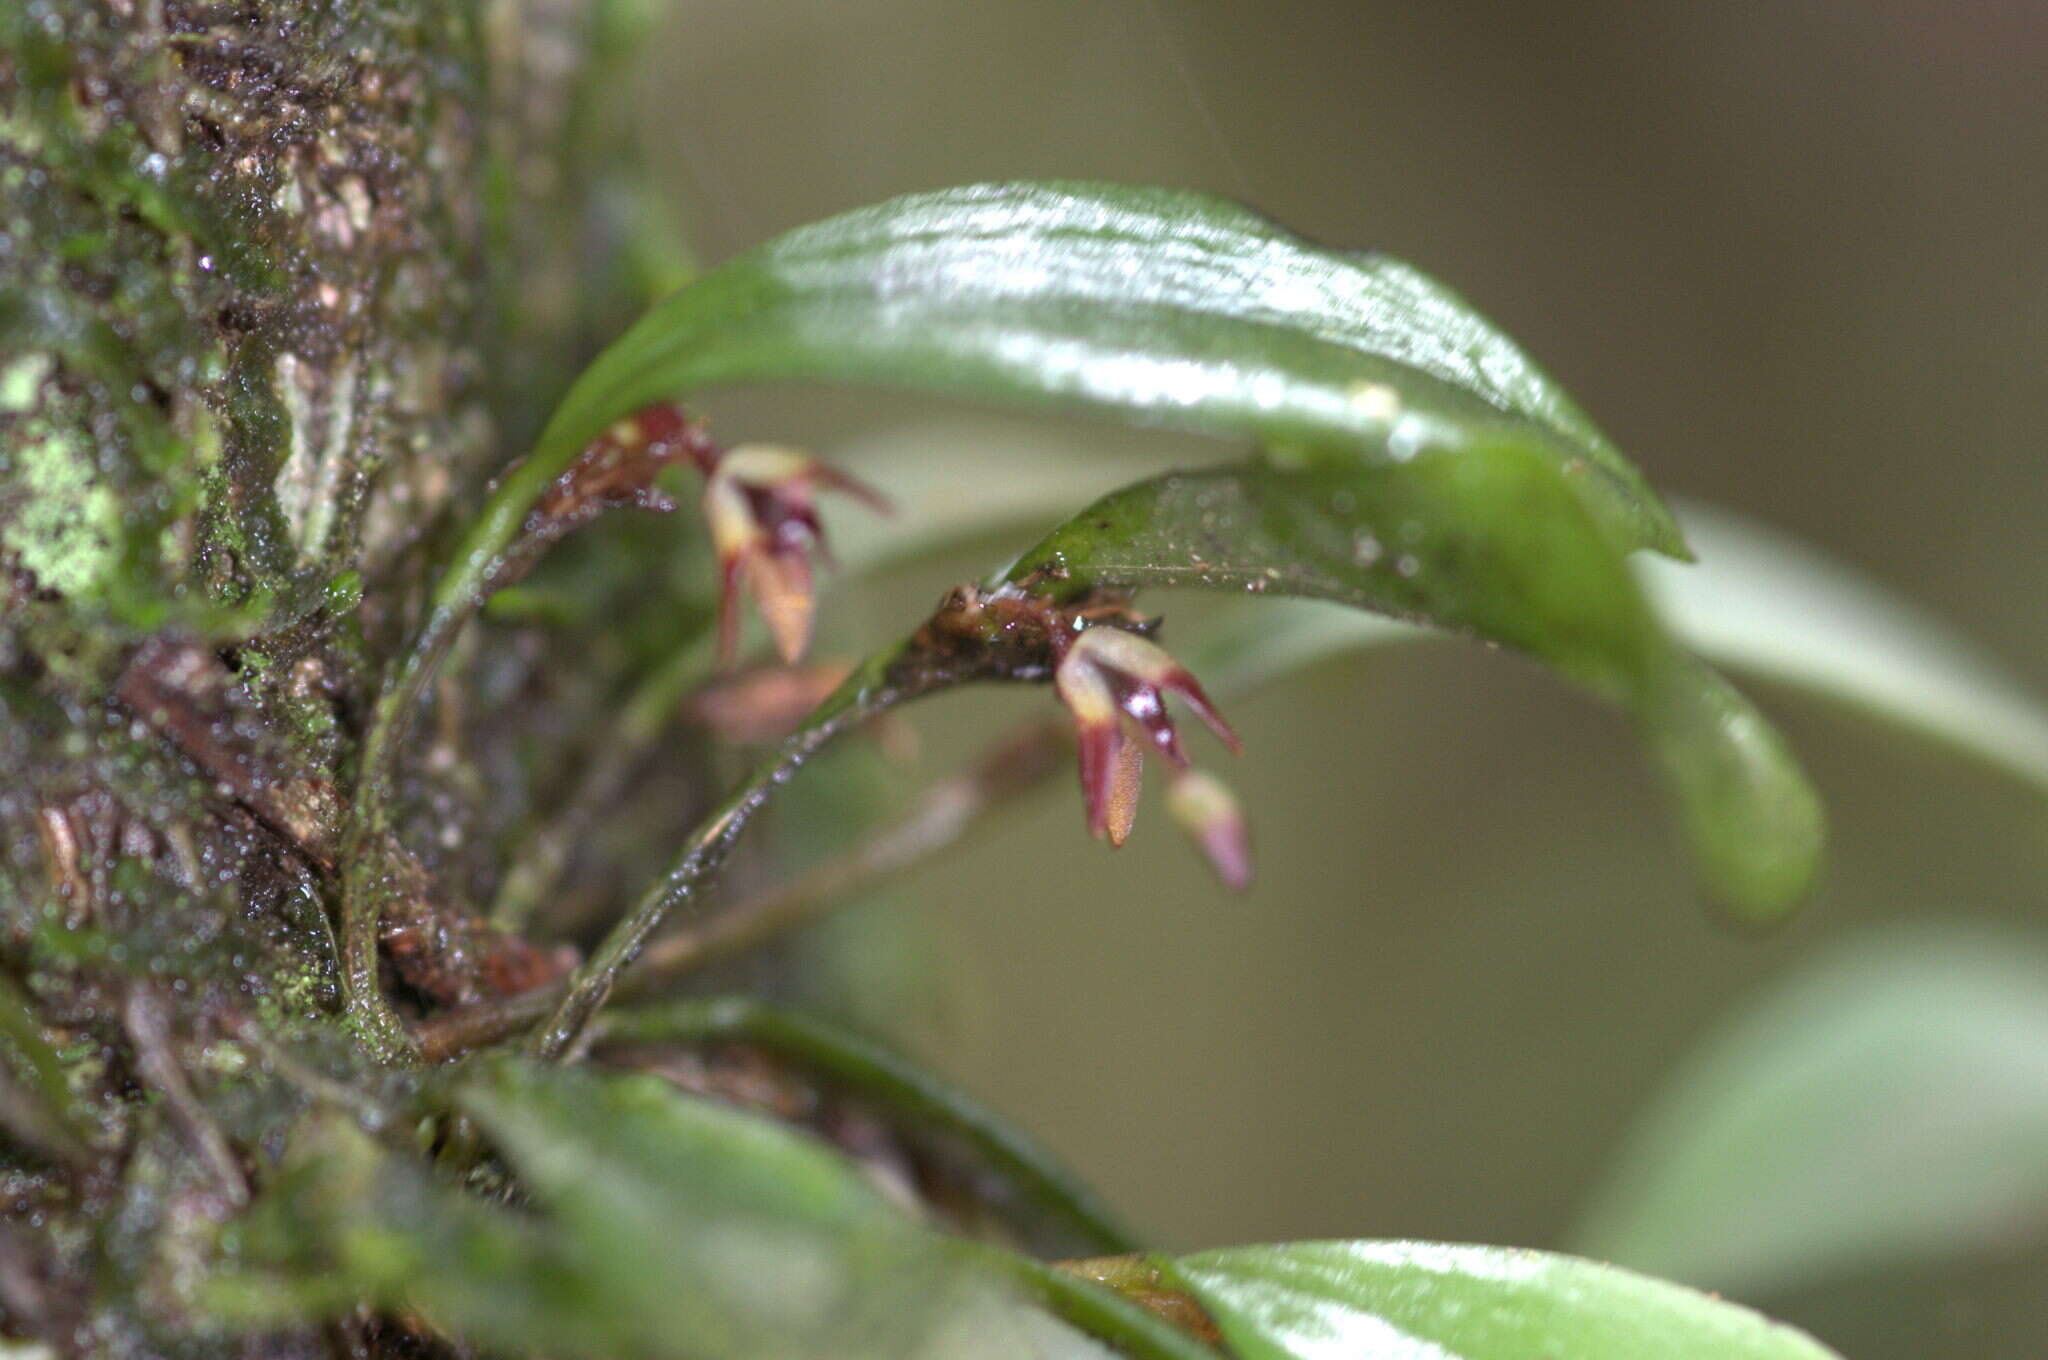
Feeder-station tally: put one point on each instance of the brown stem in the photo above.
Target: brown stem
(148, 1023)
(1141, 1279)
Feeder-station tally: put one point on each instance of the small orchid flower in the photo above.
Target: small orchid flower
(757, 499)
(1107, 675)
(764, 527)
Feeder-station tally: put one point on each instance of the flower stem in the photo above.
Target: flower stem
(879, 684)
(946, 811)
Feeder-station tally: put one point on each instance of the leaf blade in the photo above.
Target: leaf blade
(1163, 306)
(1487, 538)
(655, 1224)
(895, 1082)
(1759, 601)
(1428, 1301)
(1885, 1105)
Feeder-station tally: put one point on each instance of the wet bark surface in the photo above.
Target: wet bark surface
(281, 284)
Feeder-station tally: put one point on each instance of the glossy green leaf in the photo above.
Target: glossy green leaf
(1426, 1301)
(893, 1082)
(1486, 539)
(1157, 305)
(1888, 1103)
(655, 1224)
(1757, 601)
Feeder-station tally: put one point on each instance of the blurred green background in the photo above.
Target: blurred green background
(1788, 255)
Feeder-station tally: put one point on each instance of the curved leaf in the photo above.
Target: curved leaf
(1757, 602)
(1426, 1301)
(891, 1080)
(1159, 305)
(1486, 539)
(1887, 1104)
(1763, 603)
(653, 1224)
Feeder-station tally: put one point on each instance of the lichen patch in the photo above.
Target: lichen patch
(64, 525)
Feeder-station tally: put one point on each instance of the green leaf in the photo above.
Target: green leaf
(1426, 1301)
(894, 1082)
(652, 1224)
(346, 1221)
(36, 1103)
(1757, 602)
(1886, 1104)
(1485, 538)
(1762, 603)
(1160, 306)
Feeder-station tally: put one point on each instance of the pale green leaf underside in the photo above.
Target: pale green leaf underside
(1774, 608)
(1426, 1301)
(1885, 1105)
(1758, 603)
(949, 483)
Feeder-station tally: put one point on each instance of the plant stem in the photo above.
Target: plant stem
(376, 1025)
(147, 1021)
(945, 812)
(940, 818)
(879, 684)
(640, 724)
(458, 595)
(874, 1071)
(1094, 1309)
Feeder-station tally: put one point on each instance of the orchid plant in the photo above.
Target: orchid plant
(516, 1181)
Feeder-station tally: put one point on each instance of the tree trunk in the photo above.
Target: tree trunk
(281, 285)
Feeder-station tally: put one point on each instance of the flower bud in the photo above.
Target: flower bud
(1208, 811)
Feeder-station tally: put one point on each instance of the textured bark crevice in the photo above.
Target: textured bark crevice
(281, 284)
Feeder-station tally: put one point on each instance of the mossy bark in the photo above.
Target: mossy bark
(281, 286)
